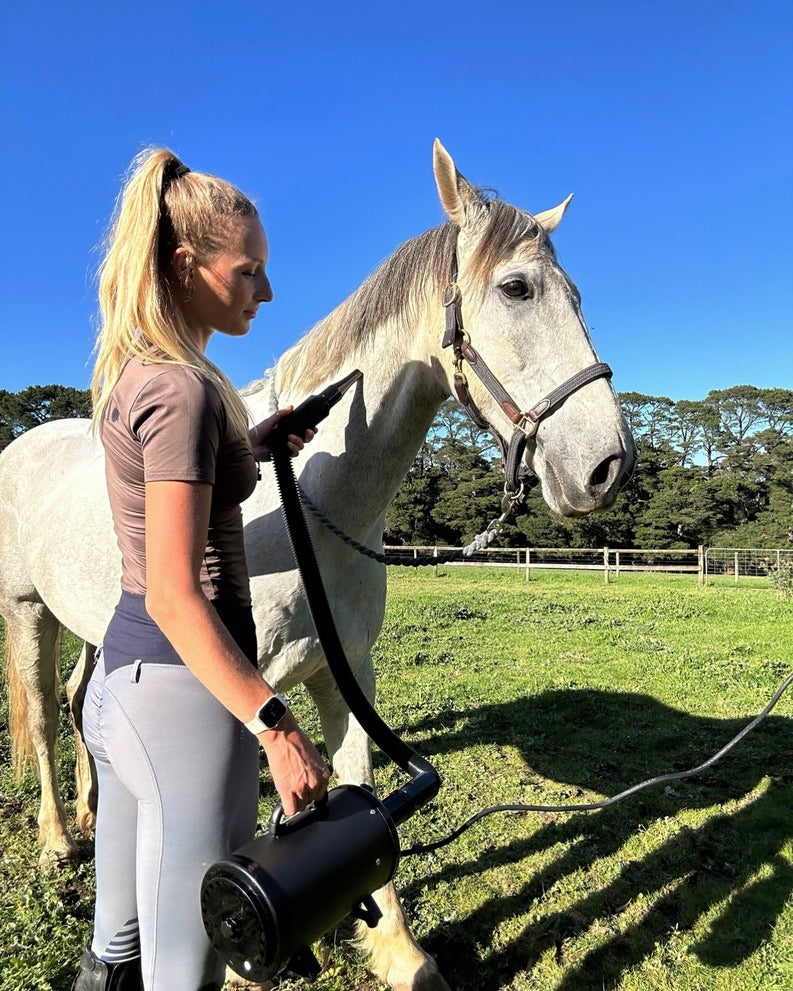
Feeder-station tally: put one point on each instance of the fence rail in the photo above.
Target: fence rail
(704, 562)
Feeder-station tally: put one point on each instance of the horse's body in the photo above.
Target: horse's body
(59, 564)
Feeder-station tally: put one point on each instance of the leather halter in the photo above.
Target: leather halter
(527, 422)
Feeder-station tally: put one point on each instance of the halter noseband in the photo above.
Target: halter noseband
(527, 422)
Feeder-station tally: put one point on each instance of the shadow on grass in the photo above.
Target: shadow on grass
(606, 742)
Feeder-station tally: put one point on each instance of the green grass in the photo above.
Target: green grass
(560, 690)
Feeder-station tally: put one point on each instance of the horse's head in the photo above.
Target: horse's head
(520, 315)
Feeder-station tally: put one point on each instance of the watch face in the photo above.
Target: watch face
(272, 711)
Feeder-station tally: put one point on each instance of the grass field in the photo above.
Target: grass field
(561, 690)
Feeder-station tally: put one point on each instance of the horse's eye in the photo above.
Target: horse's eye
(517, 289)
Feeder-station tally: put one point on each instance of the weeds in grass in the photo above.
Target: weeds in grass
(781, 576)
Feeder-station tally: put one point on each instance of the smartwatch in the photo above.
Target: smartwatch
(269, 715)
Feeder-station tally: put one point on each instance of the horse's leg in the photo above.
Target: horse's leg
(32, 641)
(85, 771)
(393, 954)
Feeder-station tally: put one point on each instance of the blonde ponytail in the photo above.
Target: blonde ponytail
(162, 205)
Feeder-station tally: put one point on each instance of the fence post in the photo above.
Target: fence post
(606, 565)
(528, 564)
(616, 564)
(435, 566)
(737, 565)
(701, 577)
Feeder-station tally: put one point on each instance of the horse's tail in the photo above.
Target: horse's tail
(21, 742)
(23, 752)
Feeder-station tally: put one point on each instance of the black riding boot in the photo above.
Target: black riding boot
(96, 975)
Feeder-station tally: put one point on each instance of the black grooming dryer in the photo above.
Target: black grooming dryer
(263, 905)
(271, 898)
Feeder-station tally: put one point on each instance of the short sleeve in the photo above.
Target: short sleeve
(179, 419)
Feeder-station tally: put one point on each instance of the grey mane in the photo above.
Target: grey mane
(417, 271)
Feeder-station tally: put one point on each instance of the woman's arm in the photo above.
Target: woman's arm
(177, 522)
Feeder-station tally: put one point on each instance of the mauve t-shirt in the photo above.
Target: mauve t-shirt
(166, 422)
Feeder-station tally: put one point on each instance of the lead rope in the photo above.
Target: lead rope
(480, 542)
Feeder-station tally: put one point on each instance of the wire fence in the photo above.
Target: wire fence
(745, 562)
(706, 563)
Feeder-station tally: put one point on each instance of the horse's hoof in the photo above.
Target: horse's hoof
(426, 978)
(236, 983)
(86, 821)
(56, 860)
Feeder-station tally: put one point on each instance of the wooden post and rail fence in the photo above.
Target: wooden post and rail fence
(704, 562)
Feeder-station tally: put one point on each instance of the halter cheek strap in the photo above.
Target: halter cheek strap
(526, 422)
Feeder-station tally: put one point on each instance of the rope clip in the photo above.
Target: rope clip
(511, 500)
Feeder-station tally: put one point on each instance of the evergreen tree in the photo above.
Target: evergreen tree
(409, 518)
(19, 411)
(718, 470)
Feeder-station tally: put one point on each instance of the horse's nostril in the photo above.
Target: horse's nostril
(603, 475)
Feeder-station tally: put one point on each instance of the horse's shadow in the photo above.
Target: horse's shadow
(732, 864)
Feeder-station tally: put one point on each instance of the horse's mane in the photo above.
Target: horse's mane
(417, 270)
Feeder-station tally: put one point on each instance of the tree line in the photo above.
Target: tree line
(711, 471)
(19, 411)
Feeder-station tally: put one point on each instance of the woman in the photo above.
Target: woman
(176, 709)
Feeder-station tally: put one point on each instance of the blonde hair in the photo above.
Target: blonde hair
(163, 205)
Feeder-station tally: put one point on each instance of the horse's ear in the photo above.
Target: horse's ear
(456, 192)
(550, 219)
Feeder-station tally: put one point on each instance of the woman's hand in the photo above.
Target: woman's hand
(300, 775)
(260, 436)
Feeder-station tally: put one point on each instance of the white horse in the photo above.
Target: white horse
(59, 564)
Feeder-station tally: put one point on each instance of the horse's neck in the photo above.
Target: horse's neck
(365, 447)
(397, 409)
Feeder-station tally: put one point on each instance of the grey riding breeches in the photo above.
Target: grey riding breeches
(178, 789)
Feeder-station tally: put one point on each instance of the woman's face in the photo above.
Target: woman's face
(228, 288)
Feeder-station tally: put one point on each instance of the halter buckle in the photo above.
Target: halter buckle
(527, 426)
(451, 294)
(451, 305)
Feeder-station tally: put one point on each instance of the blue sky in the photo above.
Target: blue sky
(670, 121)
